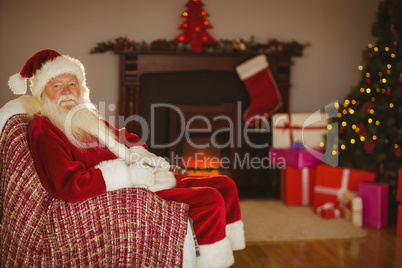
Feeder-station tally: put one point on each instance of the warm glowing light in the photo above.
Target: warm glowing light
(396, 146)
(334, 146)
(368, 90)
(322, 144)
(181, 38)
(372, 99)
(351, 111)
(197, 29)
(386, 48)
(361, 90)
(383, 90)
(371, 111)
(333, 152)
(357, 129)
(204, 38)
(391, 105)
(344, 124)
(343, 147)
(383, 80)
(392, 55)
(377, 122)
(185, 14)
(389, 66)
(370, 45)
(360, 67)
(204, 13)
(378, 90)
(376, 49)
(347, 101)
(206, 22)
(185, 25)
(388, 71)
(336, 105)
(329, 127)
(352, 141)
(367, 75)
(380, 73)
(339, 115)
(370, 120)
(344, 111)
(353, 102)
(353, 126)
(374, 137)
(362, 138)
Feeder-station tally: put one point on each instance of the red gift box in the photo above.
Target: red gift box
(299, 183)
(399, 221)
(375, 204)
(329, 211)
(295, 158)
(399, 186)
(332, 182)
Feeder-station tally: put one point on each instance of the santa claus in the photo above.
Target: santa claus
(78, 155)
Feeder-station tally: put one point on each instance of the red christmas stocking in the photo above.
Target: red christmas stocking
(265, 98)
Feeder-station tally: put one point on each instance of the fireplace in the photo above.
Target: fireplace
(150, 82)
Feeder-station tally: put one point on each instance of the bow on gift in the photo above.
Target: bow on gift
(337, 192)
(329, 210)
(288, 126)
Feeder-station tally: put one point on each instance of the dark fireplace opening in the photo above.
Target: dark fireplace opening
(214, 88)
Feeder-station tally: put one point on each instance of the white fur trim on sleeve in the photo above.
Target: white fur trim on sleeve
(115, 173)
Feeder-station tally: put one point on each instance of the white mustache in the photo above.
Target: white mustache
(68, 97)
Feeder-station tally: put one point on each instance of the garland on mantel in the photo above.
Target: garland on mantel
(223, 45)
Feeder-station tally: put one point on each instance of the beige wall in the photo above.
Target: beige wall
(338, 30)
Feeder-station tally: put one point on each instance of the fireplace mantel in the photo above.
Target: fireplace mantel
(133, 64)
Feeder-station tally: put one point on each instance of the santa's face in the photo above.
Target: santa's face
(64, 90)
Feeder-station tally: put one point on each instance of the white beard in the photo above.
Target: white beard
(79, 120)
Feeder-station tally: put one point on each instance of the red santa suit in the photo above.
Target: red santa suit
(73, 174)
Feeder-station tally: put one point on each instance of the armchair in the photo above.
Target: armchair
(128, 227)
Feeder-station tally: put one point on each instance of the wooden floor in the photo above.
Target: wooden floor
(380, 249)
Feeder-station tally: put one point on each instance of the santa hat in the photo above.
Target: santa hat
(42, 67)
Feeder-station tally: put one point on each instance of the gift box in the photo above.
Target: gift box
(331, 182)
(399, 186)
(284, 157)
(298, 183)
(353, 208)
(399, 221)
(375, 203)
(329, 211)
(304, 127)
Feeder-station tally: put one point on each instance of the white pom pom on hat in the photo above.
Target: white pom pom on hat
(42, 67)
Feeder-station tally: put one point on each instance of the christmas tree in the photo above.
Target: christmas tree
(195, 26)
(370, 118)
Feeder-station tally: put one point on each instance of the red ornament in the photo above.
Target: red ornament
(398, 152)
(400, 79)
(362, 130)
(195, 26)
(368, 105)
(368, 146)
(341, 130)
(392, 28)
(366, 57)
(368, 81)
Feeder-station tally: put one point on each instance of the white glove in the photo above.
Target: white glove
(141, 175)
(115, 174)
(164, 179)
(139, 154)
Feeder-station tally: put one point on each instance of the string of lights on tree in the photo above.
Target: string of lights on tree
(370, 118)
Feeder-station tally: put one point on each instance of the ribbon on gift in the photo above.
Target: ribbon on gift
(288, 126)
(329, 206)
(305, 186)
(333, 191)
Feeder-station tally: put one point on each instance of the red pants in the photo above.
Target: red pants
(213, 200)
